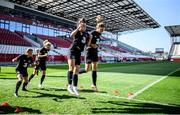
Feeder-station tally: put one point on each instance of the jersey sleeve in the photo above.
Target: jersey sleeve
(31, 60)
(20, 57)
(41, 51)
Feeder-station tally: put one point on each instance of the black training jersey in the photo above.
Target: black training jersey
(43, 51)
(80, 41)
(96, 36)
(24, 62)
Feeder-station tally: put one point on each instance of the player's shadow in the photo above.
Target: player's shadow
(1, 74)
(91, 91)
(50, 89)
(176, 74)
(10, 110)
(136, 108)
(8, 78)
(61, 97)
(8, 73)
(56, 76)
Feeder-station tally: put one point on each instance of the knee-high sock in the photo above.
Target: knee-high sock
(37, 72)
(32, 75)
(24, 85)
(94, 77)
(82, 70)
(75, 80)
(42, 79)
(18, 84)
(69, 76)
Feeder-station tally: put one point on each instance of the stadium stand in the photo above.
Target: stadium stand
(14, 18)
(28, 31)
(55, 40)
(11, 38)
(174, 32)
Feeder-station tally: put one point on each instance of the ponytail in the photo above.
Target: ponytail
(99, 22)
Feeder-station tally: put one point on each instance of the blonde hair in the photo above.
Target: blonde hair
(45, 41)
(99, 22)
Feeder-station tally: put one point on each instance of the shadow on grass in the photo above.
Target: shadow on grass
(10, 110)
(136, 107)
(91, 91)
(161, 69)
(56, 76)
(50, 89)
(8, 73)
(2, 75)
(54, 96)
(175, 74)
(8, 78)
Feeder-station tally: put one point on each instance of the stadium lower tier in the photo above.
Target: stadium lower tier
(9, 57)
(175, 58)
(8, 52)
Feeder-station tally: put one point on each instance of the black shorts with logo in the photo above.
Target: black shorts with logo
(76, 55)
(22, 71)
(41, 66)
(91, 55)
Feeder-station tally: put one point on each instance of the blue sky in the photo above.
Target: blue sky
(165, 12)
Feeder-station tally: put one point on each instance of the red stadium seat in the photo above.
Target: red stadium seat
(10, 38)
(55, 40)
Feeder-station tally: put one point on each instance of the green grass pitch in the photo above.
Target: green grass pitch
(115, 82)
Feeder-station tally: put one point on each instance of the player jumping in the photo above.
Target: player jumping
(92, 52)
(80, 38)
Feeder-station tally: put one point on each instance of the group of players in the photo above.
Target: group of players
(81, 40)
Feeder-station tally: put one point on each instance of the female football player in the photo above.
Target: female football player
(80, 38)
(41, 61)
(21, 69)
(92, 52)
(35, 72)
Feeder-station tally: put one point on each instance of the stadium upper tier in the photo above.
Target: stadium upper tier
(26, 39)
(119, 15)
(174, 32)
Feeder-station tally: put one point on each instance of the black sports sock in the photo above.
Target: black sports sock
(24, 85)
(32, 75)
(70, 75)
(42, 79)
(94, 77)
(18, 84)
(82, 70)
(75, 80)
(37, 72)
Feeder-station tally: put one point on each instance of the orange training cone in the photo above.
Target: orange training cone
(5, 104)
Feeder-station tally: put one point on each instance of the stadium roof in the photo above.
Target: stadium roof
(119, 15)
(174, 31)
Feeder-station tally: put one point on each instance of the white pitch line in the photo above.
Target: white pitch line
(139, 100)
(150, 85)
